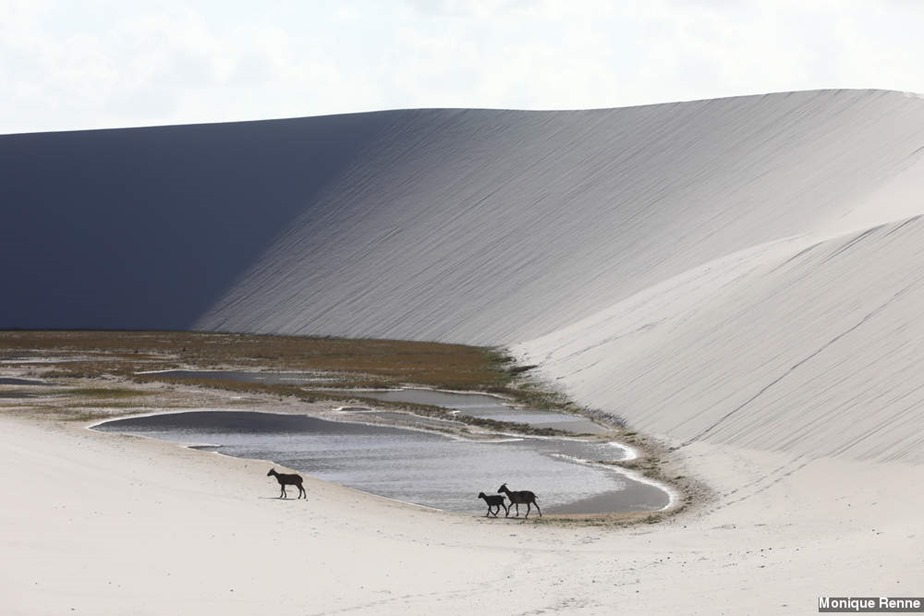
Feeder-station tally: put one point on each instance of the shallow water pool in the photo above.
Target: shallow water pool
(417, 467)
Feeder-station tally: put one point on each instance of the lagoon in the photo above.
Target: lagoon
(433, 470)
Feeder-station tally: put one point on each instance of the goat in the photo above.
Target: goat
(492, 501)
(524, 496)
(288, 479)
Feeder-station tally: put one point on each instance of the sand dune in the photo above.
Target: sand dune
(814, 350)
(497, 227)
(740, 278)
(741, 270)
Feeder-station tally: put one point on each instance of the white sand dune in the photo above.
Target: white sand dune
(740, 278)
(497, 227)
(812, 350)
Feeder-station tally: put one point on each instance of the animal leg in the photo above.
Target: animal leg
(538, 509)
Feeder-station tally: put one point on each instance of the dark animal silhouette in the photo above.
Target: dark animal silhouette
(492, 501)
(288, 479)
(524, 496)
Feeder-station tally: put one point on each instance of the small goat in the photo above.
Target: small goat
(288, 479)
(524, 496)
(494, 500)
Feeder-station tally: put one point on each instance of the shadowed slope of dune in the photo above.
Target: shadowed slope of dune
(146, 228)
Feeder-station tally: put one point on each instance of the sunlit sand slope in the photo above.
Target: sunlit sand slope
(816, 352)
(502, 226)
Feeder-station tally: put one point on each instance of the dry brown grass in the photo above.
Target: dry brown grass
(366, 362)
(348, 363)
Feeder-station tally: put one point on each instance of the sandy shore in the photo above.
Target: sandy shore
(110, 524)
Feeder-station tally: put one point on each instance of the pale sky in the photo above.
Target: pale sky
(76, 64)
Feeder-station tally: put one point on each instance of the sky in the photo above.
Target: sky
(83, 64)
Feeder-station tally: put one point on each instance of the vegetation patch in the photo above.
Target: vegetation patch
(363, 362)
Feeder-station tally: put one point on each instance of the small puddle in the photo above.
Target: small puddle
(269, 378)
(11, 380)
(486, 406)
(17, 393)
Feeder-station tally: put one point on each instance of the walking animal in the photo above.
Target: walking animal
(494, 500)
(524, 496)
(288, 479)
